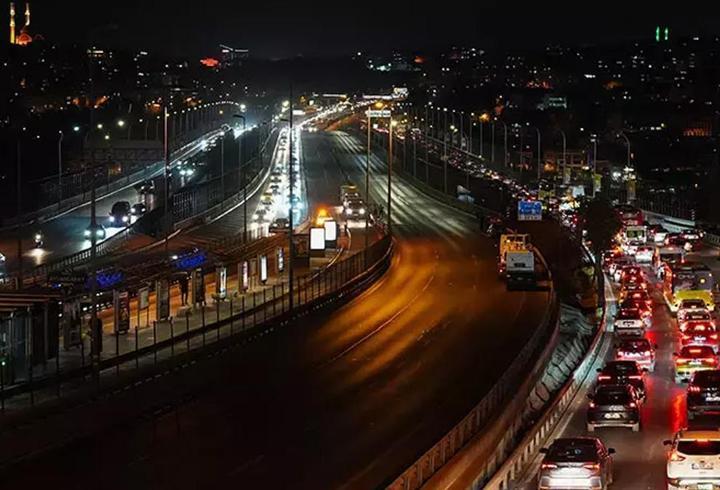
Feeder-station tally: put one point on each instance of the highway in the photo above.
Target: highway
(640, 460)
(342, 399)
(64, 234)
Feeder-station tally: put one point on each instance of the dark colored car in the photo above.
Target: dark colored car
(614, 406)
(138, 209)
(703, 393)
(623, 372)
(120, 214)
(580, 462)
(146, 187)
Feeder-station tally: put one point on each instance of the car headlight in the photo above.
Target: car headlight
(100, 233)
(112, 219)
(255, 216)
(86, 233)
(362, 211)
(125, 219)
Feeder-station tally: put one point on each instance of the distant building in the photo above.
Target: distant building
(24, 37)
(233, 56)
(553, 102)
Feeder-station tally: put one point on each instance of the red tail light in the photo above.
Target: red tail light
(646, 353)
(632, 405)
(603, 377)
(635, 376)
(710, 360)
(548, 466)
(592, 404)
(676, 457)
(682, 361)
(592, 466)
(714, 336)
(694, 389)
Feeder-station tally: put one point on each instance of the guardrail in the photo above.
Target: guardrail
(69, 204)
(537, 436)
(514, 384)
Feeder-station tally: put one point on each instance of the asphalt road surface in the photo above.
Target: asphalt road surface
(640, 460)
(341, 399)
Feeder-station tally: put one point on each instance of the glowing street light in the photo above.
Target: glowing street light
(99, 126)
(76, 129)
(121, 123)
(243, 107)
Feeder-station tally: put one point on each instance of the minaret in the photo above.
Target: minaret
(27, 14)
(12, 23)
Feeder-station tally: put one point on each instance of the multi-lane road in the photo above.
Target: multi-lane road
(641, 457)
(345, 398)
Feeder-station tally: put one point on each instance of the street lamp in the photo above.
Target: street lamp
(121, 123)
(60, 140)
(241, 170)
(622, 134)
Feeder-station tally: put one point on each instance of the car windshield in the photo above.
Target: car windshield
(355, 204)
(572, 451)
(621, 368)
(699, 447)
(700, 328)
(119, 207)
(635, 345)
(692, 304)
(707, 378)
(697, 351)
(629, 314)
(613, 396)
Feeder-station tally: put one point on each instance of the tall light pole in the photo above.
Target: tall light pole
(564, 157)
(539, 157)
(627, 141)
(445, 156)
(389, 176)
(60, 140)
(367, 184)
(241, 170)
(492, 142)
(222, 167)
(291, 178)
(594, 165)
(470, 128)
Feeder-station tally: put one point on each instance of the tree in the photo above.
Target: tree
(602, 224)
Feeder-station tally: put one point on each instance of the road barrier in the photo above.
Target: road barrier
(220, 324)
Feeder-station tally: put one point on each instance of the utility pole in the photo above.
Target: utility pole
(291, 177)
(389, 181)
(18, 155)
(367, 186)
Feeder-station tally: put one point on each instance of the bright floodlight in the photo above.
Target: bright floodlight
(243, 107)
(121, 123)
(76, 128)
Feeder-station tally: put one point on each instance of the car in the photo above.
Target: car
(645, 309)
(693, 358)
(632, 287)
(693, 460)
(631, 274)
(617, 265)
(138, 209)
(639, 296)
(280, 225)
(657, 233)
(120, 213)
(99, 231)
(146, 187)
(629, 321)
(355, 210)
(638, 349)
(703, 393)
(609, 257)
(623, 372)
(644, 255)
(693, 317)
(690, 305)
(676, 239)
(613, 406)
(578, 462)
(700, 333)
(3, 261)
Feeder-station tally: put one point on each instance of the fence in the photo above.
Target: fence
(255, 312)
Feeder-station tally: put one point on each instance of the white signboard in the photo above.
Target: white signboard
(330, 230)
(263, 268)
(317, 238)
(144, 295)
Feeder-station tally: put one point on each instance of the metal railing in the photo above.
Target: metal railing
(146, 347)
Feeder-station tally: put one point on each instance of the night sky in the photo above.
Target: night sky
(273, 28)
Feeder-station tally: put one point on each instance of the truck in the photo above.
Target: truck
(520, 269)
(516, 261)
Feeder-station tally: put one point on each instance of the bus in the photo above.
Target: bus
(688, 280)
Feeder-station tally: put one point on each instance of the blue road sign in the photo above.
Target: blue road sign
(529, 210)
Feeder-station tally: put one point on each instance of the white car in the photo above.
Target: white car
(644, 255)
(693, 462)
(629, 321)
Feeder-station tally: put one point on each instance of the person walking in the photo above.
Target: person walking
(183, 289)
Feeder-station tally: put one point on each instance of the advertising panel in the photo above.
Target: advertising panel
(162, 290)
(121, 305)
(263, 269)
(198, 286)
(221, 281)
(317, 239)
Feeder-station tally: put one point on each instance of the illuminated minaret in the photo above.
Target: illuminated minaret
(27, 14)
(12, 23)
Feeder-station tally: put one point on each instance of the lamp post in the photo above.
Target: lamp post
(627, 141)
(60, 140)
(445, 157)
(470, 128)
(389, 176)
(564, 140)
(241, 170)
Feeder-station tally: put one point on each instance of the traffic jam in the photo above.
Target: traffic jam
(664, 303)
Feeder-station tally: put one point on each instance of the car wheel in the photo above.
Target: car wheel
(636, 427)
(590, 428)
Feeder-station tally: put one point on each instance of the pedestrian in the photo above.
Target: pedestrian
(183, 289)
